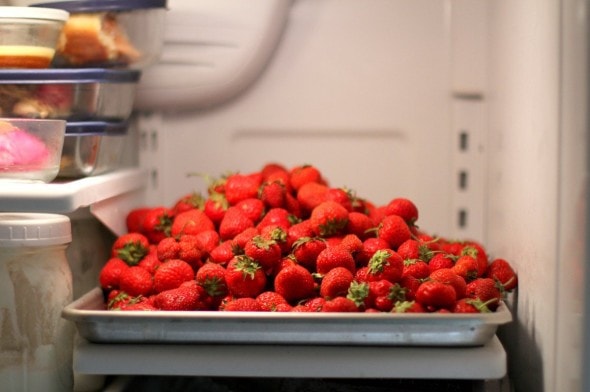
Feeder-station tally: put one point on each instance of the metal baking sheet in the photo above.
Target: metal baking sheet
(215, 327)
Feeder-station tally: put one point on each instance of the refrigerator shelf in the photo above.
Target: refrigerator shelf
(486, 362)
(109, 196)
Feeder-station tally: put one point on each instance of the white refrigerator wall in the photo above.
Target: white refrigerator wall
(379, 94)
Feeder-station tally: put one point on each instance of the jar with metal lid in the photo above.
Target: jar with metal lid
(35, 285)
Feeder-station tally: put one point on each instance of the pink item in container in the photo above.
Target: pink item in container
(20, 148)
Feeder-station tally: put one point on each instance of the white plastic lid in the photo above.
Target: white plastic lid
(34, 229)
(11, 12)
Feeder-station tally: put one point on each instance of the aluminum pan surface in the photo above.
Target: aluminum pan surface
(206, 327)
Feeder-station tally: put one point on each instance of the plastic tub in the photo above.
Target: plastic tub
(30, 149)
(70, 94)
(29, 36)
(110, 33)
(91, 148)
(37, 284)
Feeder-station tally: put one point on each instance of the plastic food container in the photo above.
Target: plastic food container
(29, 36)
(91, 148)
(110, 33)
(37, 344)
(71, 94)
(30, 149)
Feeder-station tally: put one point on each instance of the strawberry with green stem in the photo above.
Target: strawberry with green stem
(245, 277)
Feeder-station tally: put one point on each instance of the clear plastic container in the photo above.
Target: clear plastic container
(29, 36)
(36, 343)
(92, 148)
(110, 33)
(30, 149)
(71, 94)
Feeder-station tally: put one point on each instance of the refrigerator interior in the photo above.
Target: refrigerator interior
(474, 109)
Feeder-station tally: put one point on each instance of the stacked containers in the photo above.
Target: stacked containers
(92, 79)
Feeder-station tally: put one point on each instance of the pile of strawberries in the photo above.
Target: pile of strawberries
(284, 240)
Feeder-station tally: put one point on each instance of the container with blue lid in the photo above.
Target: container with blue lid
(92, 148)
(110, 33)
(73, 94)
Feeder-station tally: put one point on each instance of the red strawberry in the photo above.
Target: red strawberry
(300, 175)
(501, 271)
(207, 241)
(215, 207)
(134, 219)
(185, 297)
(211, 277)
(276, 217)
(385, 264)
(244, 277)
(130, 247)
(116, 299)
(167, 249)
(329, 218)
(188, 202)
(243, 304)
(448, 276)
(408, 307)
(486, 290)
(278, 235)
(359, 224)
(467, 267)
(340, 304)
(294, 283)
(336, 283)
(271, 301)
(383, 294)
(470, 305)
(252, 207)
(434, 294)
(404, 208)
(233, 223)
(394, 230)
(190, 251)
(410, 285)
(156, 224)
(139, 305)
(172, 274)
(416, 267)
(273, 194)
(341, 196)
(332, 257)
(306, 251)
(150, 262)
(415, 249)
(110, 273)
(297, 231)
(136, 281)
(272, 168)
(239, 241)
(191, 222)
(479, 254)
(311, 195)
(370, 246)
(352, 243)
(441, 260)
(239, 187)
(265, 252)
(222, 253)
(293, 206)
(311, 305)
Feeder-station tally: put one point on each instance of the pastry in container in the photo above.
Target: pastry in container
(110, 33)
(29, 36)
(91, 148)
(74, 94)
(30, 149)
